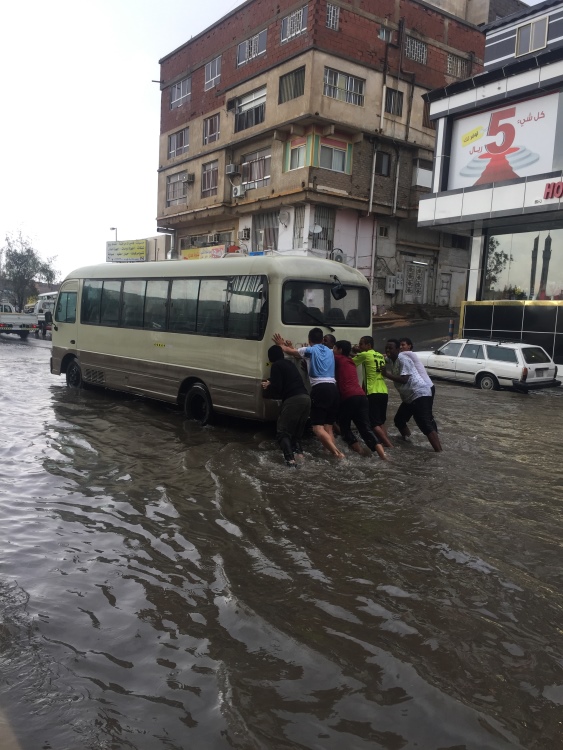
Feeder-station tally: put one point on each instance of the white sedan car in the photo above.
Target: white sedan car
(492, 364)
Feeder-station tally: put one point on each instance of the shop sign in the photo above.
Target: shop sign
(126, 251)
(201, 253)
(512, 141)
(553, 190)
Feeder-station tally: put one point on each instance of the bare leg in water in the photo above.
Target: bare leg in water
(325, 435)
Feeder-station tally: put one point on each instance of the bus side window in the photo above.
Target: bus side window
(133, 303)
(155, 305)
(111, 295)
(183, 305)
(246, 297)
(91, 302)
(211, 307)
(66, 308)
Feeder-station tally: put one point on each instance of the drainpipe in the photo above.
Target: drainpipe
(373, 256)
(372, 181)
(356, 240)
(397, 169)
(384, 88)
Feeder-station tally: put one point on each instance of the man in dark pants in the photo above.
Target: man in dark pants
(285, 383)
(354, 405)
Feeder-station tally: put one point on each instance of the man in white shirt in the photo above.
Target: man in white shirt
(415, 393)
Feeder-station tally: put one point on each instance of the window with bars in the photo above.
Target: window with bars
(416, 50)
(292, 85)
(212, 73)
(255, 169)
(332, 16)
(385, 34)
(251, 48)
(324, 217)
(532, 36)
(211, 129)
(250, 109)
(333, 158)
(345, 87)
(265, 228)
(209, 178)
(426, 121)
(293, 24)
(383, 163)
(178, 143)
(176, 188)
(394, 101)
(180, 92)
(457, 66)
(298, 226)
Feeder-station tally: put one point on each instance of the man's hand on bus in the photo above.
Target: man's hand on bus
(278, 339)
(265, 384)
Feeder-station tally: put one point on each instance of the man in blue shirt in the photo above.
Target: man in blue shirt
(324, 393)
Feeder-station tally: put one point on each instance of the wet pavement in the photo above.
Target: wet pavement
(164, 586)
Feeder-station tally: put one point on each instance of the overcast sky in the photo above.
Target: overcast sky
(80, 118)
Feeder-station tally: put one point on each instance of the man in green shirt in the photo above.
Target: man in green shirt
(373, 364)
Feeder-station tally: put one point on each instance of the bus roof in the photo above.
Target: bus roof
(274, 266)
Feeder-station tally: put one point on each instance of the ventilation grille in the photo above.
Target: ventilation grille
(94, 376)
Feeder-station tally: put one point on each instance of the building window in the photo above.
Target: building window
(209, 178)
(385, 34)
(394, 102)
(252, 47)
(383, 163)
(458, 66)
(416, 50)
(297, 157)
(180, 93)
(211, 129)
(426, 121)
(383, 231)
(342, 86)
(332, 15)
(292, 85)
(176, 188)
(265, 228)
(324, 217)
(178, 143)
(532, 36)
(212, 73)
(294, 24)
(333, 158)
(298, 226)
(250, 109)
(255, 169)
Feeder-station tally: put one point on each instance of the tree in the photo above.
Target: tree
(496, 262)
(21, 267)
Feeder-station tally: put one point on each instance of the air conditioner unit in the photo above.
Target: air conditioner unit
(212, 238)
(232, 169)
(239, 191)
(244, 234)
(189, 178)
(338, 255)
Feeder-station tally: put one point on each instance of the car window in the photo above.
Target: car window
(474, 351)
(502, 354)
(451, 349)
(535, 355)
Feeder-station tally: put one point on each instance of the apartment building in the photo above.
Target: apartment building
(300, 127)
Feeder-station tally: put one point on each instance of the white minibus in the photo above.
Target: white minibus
(197, 332)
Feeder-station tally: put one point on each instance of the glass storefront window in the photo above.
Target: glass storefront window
(520, 266)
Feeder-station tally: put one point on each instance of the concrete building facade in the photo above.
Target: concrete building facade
(300, 127)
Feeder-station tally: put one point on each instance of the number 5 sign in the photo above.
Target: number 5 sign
(505, 143)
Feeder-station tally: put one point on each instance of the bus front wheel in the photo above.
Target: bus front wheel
(197, 405)
(74, 375)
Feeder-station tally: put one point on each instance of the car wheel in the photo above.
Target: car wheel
(198, 406)
(488, 382)
(74, 375)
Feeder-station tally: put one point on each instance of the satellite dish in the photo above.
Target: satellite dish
(283, 217)
(317, 229)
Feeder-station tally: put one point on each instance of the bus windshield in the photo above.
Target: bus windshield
(311, 303)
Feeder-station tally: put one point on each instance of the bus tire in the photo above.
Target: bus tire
(74, 375)
(24, 335)
(488, 382)
(198, 405)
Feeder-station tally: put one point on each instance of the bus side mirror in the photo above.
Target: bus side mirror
(337, 290)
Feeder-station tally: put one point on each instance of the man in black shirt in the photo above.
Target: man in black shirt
(285, 383)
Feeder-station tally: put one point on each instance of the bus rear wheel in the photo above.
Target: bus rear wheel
(74, 375)
(198, 406)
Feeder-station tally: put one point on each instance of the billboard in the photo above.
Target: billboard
(199, 253)
(126, 251)
(512, 141)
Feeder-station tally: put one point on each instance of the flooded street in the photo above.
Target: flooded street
(168, 587)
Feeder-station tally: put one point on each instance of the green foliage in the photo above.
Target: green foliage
(21, 267)
(496, 262)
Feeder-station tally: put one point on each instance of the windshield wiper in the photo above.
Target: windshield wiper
(319, 321)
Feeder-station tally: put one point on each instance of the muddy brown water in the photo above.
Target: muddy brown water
(166, 587)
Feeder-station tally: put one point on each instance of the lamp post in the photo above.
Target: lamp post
(114, 229)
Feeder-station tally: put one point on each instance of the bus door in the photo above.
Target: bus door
(65, 322)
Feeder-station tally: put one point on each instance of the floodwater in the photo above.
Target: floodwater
(167, 587)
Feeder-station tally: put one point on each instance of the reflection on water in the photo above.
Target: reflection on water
(166, 586)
